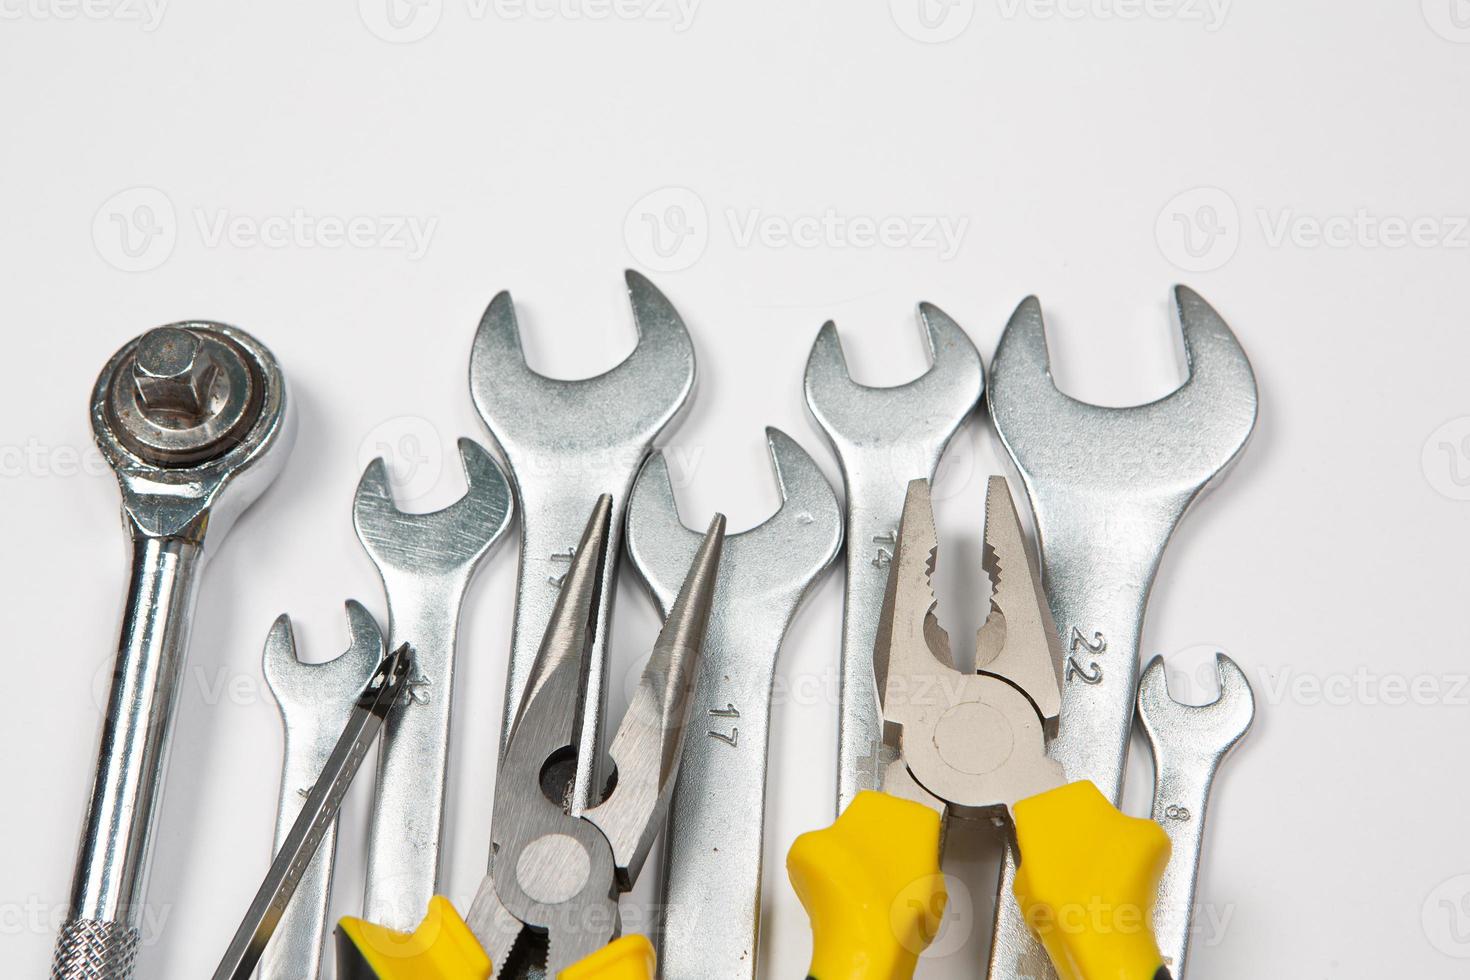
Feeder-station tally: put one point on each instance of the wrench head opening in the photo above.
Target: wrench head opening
(778, 560)
(1216, 727)
(1172, 447)
(529, 413)
(329, 684)
(456, 537)
(926, 410)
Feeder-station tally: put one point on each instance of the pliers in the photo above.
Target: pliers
(551, 895)
(961, 745)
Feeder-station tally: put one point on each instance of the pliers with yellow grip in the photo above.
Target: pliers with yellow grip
(961, 745)
(550, 899)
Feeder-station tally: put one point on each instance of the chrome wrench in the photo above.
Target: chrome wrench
(1107, 487)
(883, 437)
(715, 826)
(193, 419)
(426, 562)
(1189, 742)
(567, 443)
(316, 701)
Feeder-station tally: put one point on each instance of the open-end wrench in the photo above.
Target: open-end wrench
(315, 701)
(1107, 487)
(884, 437)
(567, 443)
(193, 420)
(426, 561)
(710, 905)
(1189, 742)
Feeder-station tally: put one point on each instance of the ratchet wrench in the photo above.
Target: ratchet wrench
(192, 418)
(566, 443)
(883, 437)
(1107, 487)
(1189, 741)
(715, 827)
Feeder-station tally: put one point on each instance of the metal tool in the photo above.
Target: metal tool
(550, 899)
(715, 827)
(317, 817)
(1107, 487)
(973, 745)
(426, 562)
(883, 437)
(1189, 742)
(193, 419)
(317, 700)
(566, 443)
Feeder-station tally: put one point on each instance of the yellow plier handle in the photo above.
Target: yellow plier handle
(872, 886)
(444, 948)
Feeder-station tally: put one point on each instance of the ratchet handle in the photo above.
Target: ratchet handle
(90, 949)
(871, 885)
(1086, 882)
(444, 948)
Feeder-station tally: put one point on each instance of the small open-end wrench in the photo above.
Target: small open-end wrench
(426, 561)
(1107, 487)
(315, 699)
(1189, 742)
(710, 905)
(567, 443)
(884, 437)
(193, 420)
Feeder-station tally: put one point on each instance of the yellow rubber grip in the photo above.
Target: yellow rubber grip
(444, 948)
(871, 885)
(1087, 881)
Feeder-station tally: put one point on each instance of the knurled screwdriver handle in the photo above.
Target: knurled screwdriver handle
(100, 936)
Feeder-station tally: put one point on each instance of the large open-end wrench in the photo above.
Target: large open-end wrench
(1107, 487)
(884, 437)
(315, 701)
(1189, 742)
(710, 907)
(192, 418)
(567, 443)
(426, 561)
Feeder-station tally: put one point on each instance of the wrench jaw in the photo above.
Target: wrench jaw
(1219, 725)
(926, 411)
(455, 538)
(519, 405)
(311, 687)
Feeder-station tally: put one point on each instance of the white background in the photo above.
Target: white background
(1093, 152)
